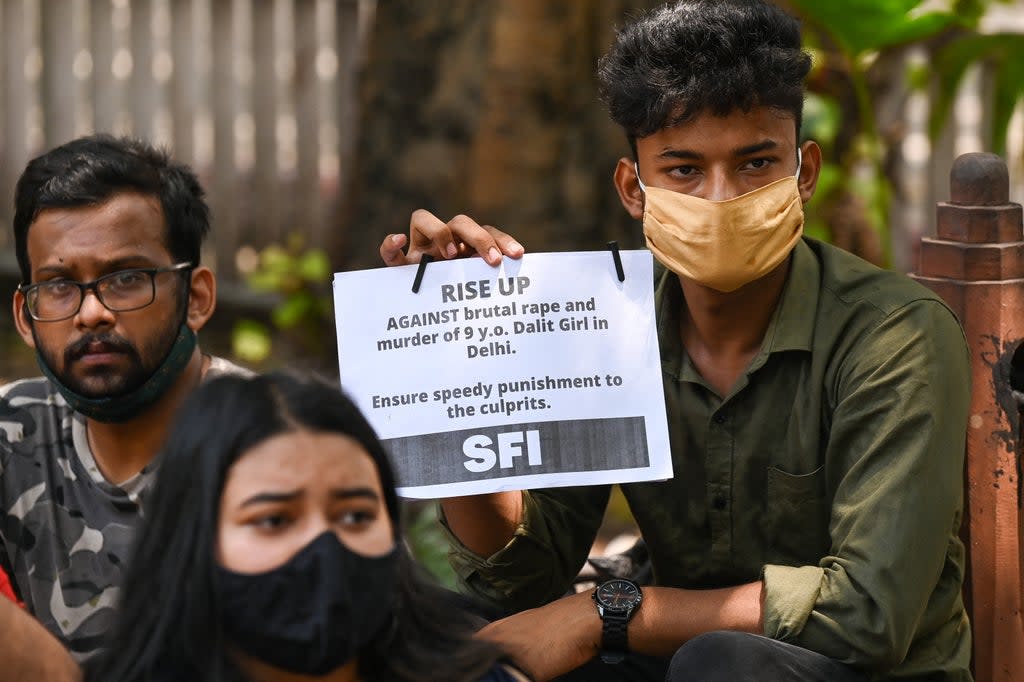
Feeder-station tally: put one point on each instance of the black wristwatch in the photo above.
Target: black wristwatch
(617, 600)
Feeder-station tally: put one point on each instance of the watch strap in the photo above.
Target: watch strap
(614, 638)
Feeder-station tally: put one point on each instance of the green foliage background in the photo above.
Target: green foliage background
(852, 43)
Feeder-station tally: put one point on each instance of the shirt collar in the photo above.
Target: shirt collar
(790, 328)
(792, 323)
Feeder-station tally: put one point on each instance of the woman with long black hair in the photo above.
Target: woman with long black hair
(271, 550)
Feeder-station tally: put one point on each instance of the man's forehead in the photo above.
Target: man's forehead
(682, 113)
(124, 205)
(738, 132)
(122, 228)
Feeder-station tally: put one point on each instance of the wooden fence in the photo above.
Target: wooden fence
(257, 95)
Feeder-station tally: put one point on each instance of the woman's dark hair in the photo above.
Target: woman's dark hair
(90, 170)
(169, 627)
(694, 56)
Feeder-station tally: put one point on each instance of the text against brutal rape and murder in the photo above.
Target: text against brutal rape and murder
(489, 329)
(485, 329)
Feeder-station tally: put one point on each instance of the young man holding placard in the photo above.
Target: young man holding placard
(816, 404)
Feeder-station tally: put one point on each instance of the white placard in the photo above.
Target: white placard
(541, 372)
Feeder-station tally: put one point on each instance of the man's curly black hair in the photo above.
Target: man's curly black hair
(694, 56)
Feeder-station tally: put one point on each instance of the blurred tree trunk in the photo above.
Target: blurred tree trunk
(488, 108)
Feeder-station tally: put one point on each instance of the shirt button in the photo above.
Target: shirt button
(719, 418)
(719, 502)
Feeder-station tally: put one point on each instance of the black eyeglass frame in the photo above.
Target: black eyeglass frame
(30, 291)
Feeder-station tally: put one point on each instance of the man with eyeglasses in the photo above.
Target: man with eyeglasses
(107, 235)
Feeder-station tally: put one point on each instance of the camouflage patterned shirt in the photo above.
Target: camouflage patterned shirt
(65, 530)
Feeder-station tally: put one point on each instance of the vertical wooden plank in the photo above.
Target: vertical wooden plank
(285, 126)
(122, 66)
(161, 72)
(184, 78)
(202, 115)
(15, 49)
(349, 36)
(4, 103)
(35, 64)
(81, 68)
(242, 69)
(6, 141)
(104, 93)
(306, 192)
(326, 65)
(222, 190)
(58, 80)
(26, 122)
(249, 219)
(352, 19)
(143, 94)
(202, 134)
(264, 112)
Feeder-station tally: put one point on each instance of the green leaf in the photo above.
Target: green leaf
(817, 229)
(821, 120)
(874, 189)
(1004, 50)
(294, 309)
(970, 11)
(915, 30)
(861, 26)
(830, 178)
(275, 259)
(950, 65)
(250, 341)
(1008, 87)
(265, 280)
(918, 77)
(314, 266)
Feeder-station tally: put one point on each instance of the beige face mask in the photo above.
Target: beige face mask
(724, 244)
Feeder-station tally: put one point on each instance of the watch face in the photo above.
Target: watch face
(618, 595)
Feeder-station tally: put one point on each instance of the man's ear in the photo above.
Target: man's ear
(22, 320)
(628, 187)
(202, 299)
(810, 170)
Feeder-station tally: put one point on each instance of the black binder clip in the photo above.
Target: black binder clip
(614, 246)
(424, 259)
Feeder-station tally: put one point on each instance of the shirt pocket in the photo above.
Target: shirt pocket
(796, 517)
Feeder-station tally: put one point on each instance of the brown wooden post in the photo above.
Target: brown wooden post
(976, 263)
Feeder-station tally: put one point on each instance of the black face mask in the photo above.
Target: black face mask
(312, 614)
(121, 408)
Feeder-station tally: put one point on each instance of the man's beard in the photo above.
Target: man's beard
(102, 382)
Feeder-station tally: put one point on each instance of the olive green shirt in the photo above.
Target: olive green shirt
(833, 471)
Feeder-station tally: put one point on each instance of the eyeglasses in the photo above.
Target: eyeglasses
(119, 292)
